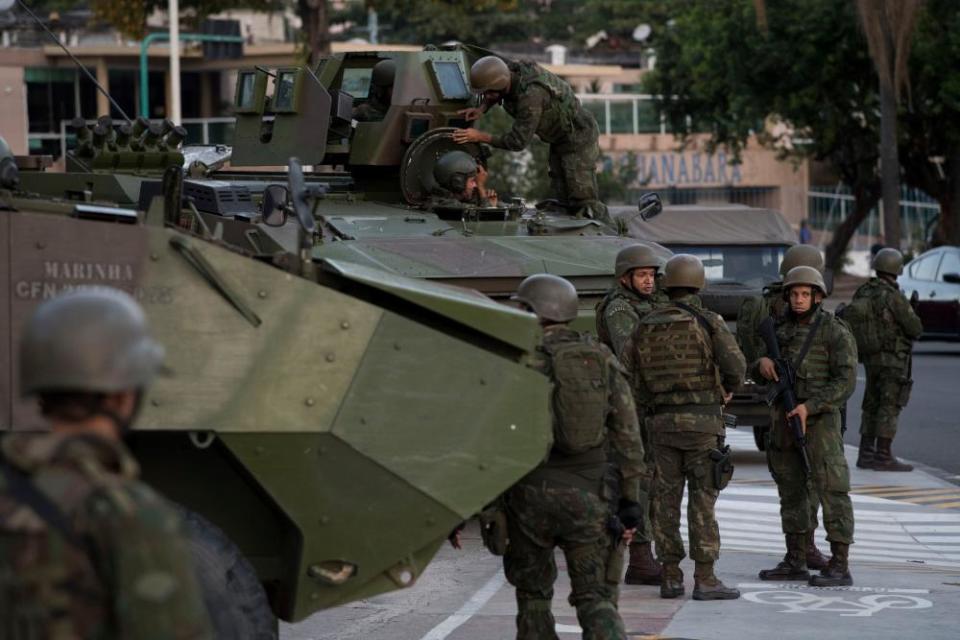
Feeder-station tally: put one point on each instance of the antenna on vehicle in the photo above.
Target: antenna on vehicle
(7, 4)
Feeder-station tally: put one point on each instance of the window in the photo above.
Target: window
(283, 95)
(950, 264)
(453, 86)
(753, 266)
(356, 82)
(245, 91)
(925, 268)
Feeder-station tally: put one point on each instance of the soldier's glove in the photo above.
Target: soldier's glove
(630, 513)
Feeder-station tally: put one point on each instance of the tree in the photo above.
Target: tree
(314, 14)
(129, 17)
(439, 21)
(721, 73)
(930, 125)
(888, 25)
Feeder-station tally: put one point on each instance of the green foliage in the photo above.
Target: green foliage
(617, 180)
(523, 174)
(438, 21)
(130, 16)
(573, 21)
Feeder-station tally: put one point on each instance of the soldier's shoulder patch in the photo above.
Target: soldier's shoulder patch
(618, 305)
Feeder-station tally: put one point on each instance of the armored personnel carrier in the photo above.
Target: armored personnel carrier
(336, 406)
(323, 427)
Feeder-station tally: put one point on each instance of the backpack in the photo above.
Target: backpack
(867, 323)
(580, 400)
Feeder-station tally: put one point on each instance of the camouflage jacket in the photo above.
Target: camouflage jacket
(541, 104)
(624, 443)
(752, 312)
(901, 322)
(126, 573)
(370, 111)
(729, 365)
(828, 374)
(619, 312)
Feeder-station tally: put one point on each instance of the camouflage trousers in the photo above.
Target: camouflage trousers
(572, 167)
(829, 483)
(539, 518)
(684, 458)
(885, 394)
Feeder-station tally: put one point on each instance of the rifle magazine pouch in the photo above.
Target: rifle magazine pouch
(906, 386)
(493, 529)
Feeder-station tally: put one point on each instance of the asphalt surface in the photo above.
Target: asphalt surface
(905, 563)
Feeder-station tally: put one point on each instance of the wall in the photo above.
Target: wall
(13, 106)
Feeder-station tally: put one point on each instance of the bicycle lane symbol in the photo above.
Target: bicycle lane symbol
(793, 598)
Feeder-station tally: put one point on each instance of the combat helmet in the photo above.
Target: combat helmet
(490, 73)
(383, 73)
(9, 174)
(684, 270)
(888, 261)
(636, 256)
(88, 340)
(453, 169)
(804, 275)
(551, 297)
(801, 255)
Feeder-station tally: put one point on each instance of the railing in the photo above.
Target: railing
(918, 211)
(624, 113)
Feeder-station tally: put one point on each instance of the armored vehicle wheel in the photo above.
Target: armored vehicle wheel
(760, 437)
(233, 594)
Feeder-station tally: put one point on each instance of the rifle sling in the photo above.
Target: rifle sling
(807, 343)
(21, 488)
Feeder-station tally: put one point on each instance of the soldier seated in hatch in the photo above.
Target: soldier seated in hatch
(461, 180)
(380, 95)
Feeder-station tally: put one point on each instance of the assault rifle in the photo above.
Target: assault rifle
(783, 390)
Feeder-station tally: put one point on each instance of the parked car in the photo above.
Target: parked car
(935, 276)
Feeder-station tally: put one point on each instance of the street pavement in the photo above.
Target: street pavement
(905, 563)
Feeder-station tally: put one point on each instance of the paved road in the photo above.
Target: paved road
(906, 565)
(929, 430)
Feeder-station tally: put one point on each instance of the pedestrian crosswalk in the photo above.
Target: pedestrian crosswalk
(893, 524)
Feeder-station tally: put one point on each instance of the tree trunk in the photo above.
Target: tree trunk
(889, 167)
(845, 230)
(316, 28)
(948, 226)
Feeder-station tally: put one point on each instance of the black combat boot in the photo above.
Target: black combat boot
(815, 560)
(672, 583)
(884, 460)
(643, 568)
(707, 586)
(866, 456)
(837, 573)
(794, 564)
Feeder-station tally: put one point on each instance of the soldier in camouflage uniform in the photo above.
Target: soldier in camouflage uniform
(635, 294)
(773, 303)
(888, 369)
(86, 550)
(458, 177)
(826, 376)
(567, 501)
(685, 396)
(380, 94)
(543, 105)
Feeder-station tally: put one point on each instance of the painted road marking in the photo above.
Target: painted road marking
(469, 608)
(794, 598)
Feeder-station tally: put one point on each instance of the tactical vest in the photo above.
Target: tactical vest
(871, 320)
(674, 358)
(814, 372)
(558, 119)
(580, 398)
(752, 312)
